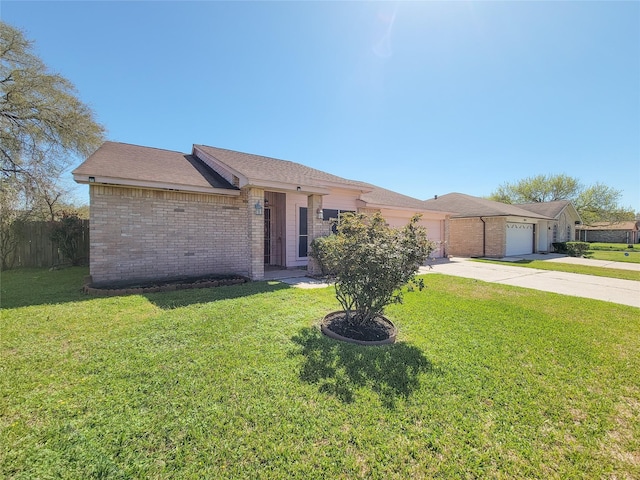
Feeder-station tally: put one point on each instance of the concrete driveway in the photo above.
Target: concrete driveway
(625, 292)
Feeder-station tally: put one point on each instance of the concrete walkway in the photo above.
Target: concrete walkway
(625, 292)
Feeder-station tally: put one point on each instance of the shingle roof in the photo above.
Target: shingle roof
(549, 209)
(255, 167)
(115, 160)
(382, 196)
(258, 167)
(628, 225)
(467, 206)
(120, 161)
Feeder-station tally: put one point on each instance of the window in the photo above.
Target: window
(333, 215)
(302, 233)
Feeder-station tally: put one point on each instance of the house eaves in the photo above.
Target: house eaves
(124, 182)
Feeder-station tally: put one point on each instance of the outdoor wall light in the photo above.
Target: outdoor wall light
(258, 208)
(320, 214)
(92, 179)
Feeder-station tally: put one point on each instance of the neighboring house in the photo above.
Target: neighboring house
(161, 214)
(483, 228)
(609, 232)
(566, 220)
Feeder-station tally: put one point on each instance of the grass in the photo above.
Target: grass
(614, 252)
(620, 247)
(487, 381)
(630, 256)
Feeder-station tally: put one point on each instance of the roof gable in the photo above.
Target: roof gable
(133, 165)
(550, 209)
(258, 169)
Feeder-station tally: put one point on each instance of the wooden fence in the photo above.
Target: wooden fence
(37, 250)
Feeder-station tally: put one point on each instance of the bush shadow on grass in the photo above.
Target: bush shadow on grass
(184, 298)
(339, 368)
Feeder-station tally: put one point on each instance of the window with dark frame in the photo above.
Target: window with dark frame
(333, 215)
(303, 233)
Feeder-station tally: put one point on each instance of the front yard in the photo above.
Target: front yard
(487, 381)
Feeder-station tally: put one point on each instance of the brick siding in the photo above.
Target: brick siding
(139, 234)
(607, 236)
(464, 237)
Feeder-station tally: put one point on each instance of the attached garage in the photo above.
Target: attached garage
(519, 238)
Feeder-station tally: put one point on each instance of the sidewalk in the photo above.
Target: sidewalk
(625, 292)
(559, 258)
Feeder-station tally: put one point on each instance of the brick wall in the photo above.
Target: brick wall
(316, 227)
(465, 237)
(607, 236)
(141, 234)
(254, 234)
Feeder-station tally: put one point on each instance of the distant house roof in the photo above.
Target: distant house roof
(629, 225)
(462, 206)
(133, 165)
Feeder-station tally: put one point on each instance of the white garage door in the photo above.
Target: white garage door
(519, 238)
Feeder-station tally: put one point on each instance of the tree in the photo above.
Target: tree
(541, 188)
(12, 219)
(67, 234)
(599, 203)
(42, 122)
(42, 126)
(370, 262)
(595, 203)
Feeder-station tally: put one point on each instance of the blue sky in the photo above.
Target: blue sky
(423, 98)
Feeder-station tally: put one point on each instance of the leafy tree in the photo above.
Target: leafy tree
(370, 262)
(12, 220)
(541, 188)
(594, 203)
(42, 126)
(42, 121)
(599, 203)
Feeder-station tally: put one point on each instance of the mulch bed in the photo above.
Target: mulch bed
(163, 285)
(376, 330)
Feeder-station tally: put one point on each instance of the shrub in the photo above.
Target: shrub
(577, 249)
(370, 262)
(67, 233)
(560, 247)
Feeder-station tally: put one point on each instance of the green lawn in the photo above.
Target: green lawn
(614, 252)
(630, 256)
(620, 247)
(487, 381)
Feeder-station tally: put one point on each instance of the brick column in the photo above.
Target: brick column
(255, 234)
(314, 229)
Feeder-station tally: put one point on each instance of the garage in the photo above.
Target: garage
(519, 238)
